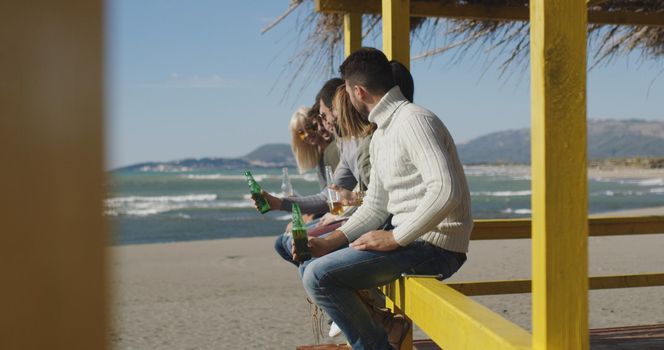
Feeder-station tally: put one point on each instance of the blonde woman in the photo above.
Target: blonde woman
(304, 140)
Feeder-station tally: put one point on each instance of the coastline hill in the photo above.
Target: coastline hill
(607, 139)
(266, 156)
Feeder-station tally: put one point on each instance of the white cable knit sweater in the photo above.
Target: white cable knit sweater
(417, 176)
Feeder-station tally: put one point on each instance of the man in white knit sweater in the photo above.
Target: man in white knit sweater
(417, 177)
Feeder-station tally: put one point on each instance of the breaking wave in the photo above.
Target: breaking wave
(257, 177)
(502, 193)
(151, 205)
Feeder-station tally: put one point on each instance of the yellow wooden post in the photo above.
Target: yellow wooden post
(352, 32)
(396, 30)
(559, 183)
(52, 233)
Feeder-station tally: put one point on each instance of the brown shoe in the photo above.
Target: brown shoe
(397, 330)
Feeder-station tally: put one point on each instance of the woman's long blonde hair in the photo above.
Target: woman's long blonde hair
(350, 121)
(306, 155)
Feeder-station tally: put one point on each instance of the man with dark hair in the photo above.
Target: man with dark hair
(417, 177)
(326, 93)
(332, 153)
(324, 99)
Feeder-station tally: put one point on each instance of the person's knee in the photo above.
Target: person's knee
(311, 277)
(278, 244)
(280, 247)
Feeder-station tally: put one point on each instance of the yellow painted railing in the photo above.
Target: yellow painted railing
(453, 320)
(523, 286)
(427, 301)
(598, 226)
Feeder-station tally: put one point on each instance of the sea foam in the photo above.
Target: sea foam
(152, 205)
(517, 211)
(502, 193)
(258, 177)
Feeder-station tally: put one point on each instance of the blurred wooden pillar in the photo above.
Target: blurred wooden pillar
(559, 179)
(396, 30)
(53, 235)
(352, 32)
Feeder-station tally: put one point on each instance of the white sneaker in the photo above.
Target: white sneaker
(334, 330)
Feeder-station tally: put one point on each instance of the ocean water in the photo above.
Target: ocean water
(151, 207)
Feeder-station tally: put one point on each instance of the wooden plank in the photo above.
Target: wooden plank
(434, 307)
(559, 176)
(423, 8)
(53, 237)
(421, 344)
(396, 30)
(324, 347)
(523, 286)
(650, 337)
(598, 226)
(352, 32)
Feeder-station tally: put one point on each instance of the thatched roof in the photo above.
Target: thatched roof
(506, 43)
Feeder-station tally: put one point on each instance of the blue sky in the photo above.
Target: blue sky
(197, 79)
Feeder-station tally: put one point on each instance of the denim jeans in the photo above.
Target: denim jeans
(331, 282)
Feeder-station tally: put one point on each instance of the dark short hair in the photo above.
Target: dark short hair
(370, 68)
(328, 90)
(313, 111)
(403, 79)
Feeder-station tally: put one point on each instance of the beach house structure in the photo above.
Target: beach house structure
(560, 225)
(54, 291)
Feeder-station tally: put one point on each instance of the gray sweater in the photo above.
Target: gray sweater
(345, 176)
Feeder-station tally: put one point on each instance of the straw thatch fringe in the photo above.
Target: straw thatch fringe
(322, 49)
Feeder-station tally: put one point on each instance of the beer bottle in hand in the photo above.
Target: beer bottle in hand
(300, 237)
(257, 193)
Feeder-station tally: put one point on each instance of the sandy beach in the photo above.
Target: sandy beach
(237, 294)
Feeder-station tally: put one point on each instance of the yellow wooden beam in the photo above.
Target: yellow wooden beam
(423, 8)
(492, 287)
(396, 30)
(598, 226)
(559, 177)
(352, 32)
(453, 320)
(523, 286)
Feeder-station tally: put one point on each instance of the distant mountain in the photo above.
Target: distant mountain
(511, 146)
(606, 139)
(266, 156)
(276, 153)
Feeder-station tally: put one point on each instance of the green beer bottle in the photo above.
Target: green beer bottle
(299, 232)
(257, 193)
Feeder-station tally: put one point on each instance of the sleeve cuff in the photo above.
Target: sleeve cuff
(286, 205)
(349, 231)
(402, 238)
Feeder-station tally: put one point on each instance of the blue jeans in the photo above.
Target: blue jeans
(331, 282)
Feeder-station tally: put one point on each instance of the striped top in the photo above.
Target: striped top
(417, 176)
